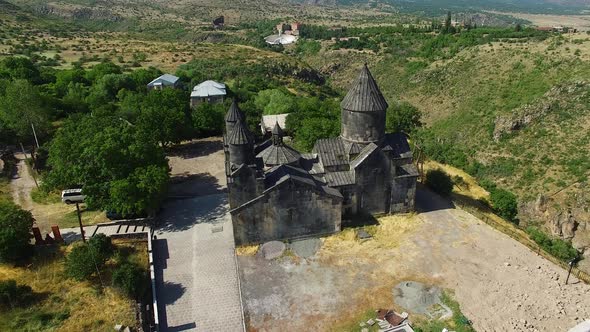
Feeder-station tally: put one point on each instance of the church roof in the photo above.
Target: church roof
(366, 152)
(352, 148)
(240, 135)
(398, 143)
(282, 173)
(234, 113)
(364, 96)
(331, 151)
(279, 155)
(343, 178)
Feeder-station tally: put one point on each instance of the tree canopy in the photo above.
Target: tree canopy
(119, 167)
(15, 232)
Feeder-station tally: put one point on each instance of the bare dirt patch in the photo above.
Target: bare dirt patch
(498, 282)
(197, 168)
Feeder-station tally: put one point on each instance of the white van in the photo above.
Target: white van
(71, 196)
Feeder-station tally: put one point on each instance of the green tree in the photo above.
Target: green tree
(19, 68)
(403, 117)
(274, 101)
(22, 106)
(104, 154)
(98, 71)
(440, 182)
(15, 232)
(165, 116)
(504, 203)
(208, 119)
(448, 28)
(131, 279)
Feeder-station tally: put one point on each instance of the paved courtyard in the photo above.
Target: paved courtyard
(196, 272)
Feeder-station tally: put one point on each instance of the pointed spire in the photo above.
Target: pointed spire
(240, 135)
(277, 134)
(234, 113)
(364, 96)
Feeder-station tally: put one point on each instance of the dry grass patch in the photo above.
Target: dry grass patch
(64, 304)
(470, 188)
(247, 250)
(344, 248)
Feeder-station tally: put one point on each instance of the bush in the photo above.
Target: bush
(15, 232)
(102, 246)
(81, 263)
(84, 259)
(131, 279)
(504, 204)
(440, 182)
(13, 295)
(558, 248)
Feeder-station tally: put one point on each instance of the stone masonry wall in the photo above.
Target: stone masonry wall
(291, 210)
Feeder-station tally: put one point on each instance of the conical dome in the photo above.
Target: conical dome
(277, 130)
(234, 113)
(364, 96)
(240, 135)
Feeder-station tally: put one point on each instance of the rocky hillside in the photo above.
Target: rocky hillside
(518, 114)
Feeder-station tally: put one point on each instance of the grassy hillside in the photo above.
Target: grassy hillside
(484, 89)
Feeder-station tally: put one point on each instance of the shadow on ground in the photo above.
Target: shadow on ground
(195, 149)
(181, 214)
(428, 201)
(192, 185)
(168, 292)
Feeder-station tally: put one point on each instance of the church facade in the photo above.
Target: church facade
(277, 193)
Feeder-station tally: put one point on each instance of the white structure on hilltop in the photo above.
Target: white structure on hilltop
(208, 92)
(280, 39)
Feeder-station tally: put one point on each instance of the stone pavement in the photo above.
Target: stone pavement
(196, 269)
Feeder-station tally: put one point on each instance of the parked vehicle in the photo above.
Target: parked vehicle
(72, 196)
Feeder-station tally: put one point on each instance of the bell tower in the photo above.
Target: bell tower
(363, 111)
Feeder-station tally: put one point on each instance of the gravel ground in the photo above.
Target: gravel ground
(500, 284)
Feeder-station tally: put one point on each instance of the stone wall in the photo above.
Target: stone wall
(373, 178)
(290, 210)
(242, 186)
(403, 194)
(362, 126)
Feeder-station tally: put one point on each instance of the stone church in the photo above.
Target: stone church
(277, 193)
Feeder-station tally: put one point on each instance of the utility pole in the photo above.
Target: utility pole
(35, 134)
(80, 222)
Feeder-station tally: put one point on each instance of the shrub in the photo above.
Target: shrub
(131, 279)
(504, 203)
(558, 248)
(102, 246)
(439, 181)
(86, 258)
(15, 232)
(81, 263)
(13, 295)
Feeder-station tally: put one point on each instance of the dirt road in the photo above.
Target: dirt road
(500, 284)
(22, 183)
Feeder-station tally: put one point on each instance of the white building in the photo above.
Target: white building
(163, 81)
(208, 92)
